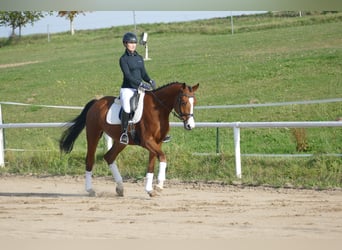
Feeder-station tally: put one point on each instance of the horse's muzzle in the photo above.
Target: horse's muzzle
(189, 123)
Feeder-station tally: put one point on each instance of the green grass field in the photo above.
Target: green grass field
(268, 59)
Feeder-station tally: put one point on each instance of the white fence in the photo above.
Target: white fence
(237, 125)
(234, 125)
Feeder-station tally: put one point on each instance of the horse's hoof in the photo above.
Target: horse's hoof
(158, 188)
(152, 193)
(91, 192)
(119, 189)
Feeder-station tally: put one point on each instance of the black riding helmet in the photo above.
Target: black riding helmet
(129, 37)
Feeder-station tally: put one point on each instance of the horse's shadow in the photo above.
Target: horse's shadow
(39, 195)
(61, 195)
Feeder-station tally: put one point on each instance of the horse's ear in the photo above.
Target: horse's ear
(195, 87)
(184, 85)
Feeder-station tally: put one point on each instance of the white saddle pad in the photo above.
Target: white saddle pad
(113, 116)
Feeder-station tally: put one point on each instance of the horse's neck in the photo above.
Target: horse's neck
(167, 96)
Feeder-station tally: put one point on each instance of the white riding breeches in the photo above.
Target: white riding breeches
(125, 97)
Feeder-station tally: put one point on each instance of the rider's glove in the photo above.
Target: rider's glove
(145, 86)
(153, 84)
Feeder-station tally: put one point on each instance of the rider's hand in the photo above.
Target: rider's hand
(145, 86)
(153, 84)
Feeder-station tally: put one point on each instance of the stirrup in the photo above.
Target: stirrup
(167, 138)
(124, 138)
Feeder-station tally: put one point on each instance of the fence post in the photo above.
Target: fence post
(217, 140)
(237, 150)
(2, 146)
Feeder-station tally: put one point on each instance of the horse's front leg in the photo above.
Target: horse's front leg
(150, 174)
(161, 174)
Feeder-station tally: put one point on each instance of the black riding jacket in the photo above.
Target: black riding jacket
(133, 69)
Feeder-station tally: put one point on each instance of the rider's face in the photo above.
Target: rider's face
(131, 46)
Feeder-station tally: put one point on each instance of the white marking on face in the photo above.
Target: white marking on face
(191, 101)
(190, 123)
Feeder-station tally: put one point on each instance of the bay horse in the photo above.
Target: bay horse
(151, 130)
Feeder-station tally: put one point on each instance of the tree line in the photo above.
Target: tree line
(19, 19)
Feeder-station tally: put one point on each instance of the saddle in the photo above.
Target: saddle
(137, 105)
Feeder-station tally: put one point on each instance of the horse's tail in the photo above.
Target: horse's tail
(70, 135)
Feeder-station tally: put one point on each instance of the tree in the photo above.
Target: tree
(19, 19)
(71, 16)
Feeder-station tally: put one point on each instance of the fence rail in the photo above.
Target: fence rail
(235, 125)
(289, 124)
(232, 106)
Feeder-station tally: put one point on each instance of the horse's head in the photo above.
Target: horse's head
(184, 105)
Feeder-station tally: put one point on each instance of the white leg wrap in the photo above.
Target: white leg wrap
(88, 176)
(161, 174)
(115, 171)
(149, 182)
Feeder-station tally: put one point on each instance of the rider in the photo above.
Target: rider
(134, 75)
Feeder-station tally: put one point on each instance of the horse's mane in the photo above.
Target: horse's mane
(167, 85)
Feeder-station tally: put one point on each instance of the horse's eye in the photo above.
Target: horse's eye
(183, 103)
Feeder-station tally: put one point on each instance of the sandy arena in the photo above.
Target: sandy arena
(59, 208)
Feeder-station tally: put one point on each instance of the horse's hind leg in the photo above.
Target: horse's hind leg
(92, 141)
(110, 157)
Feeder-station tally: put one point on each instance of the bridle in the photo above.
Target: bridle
(180, 115)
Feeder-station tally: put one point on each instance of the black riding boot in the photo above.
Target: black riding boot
(124, 125)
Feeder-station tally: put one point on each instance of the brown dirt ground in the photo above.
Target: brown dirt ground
(58, 208)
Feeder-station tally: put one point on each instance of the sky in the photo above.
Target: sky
(106, 19)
